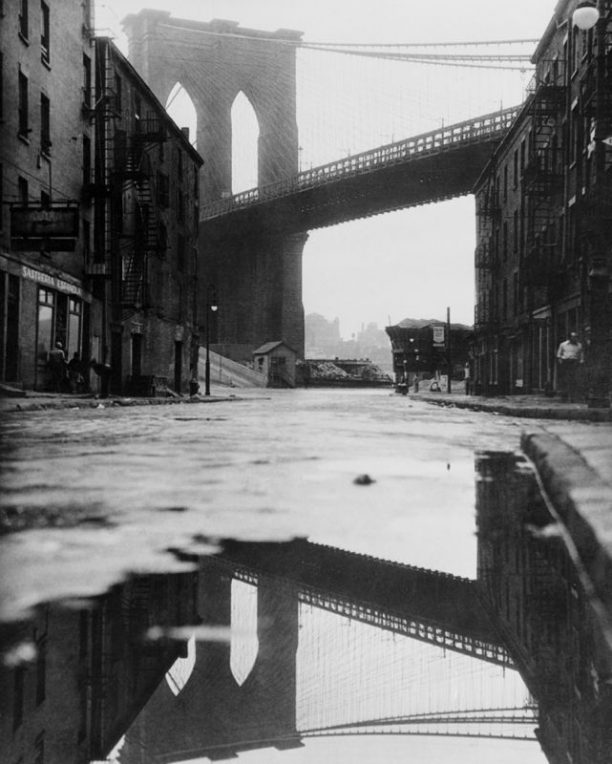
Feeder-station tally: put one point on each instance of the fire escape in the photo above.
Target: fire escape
(138, 229)
(489, 213)
(543, 189)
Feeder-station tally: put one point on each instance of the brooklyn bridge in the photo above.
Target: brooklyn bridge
(251, 243)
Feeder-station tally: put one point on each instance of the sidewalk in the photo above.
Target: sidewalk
(534, 406)
(38, 401)
(572, 456)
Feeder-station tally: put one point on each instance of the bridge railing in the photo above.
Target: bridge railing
(444, 138)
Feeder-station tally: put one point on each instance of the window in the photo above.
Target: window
(505, 299)
(180, 212)
(22, 190)
(515, 169)
(163, 189)
(23, 129)
(41, 671)
(45, 39)
(86, 160)
(515, 221)
(505, 182)
(45, 124)
(180, 252)
(505, 240)
(162, 239)
(87, 94)
(18, 688)
(179, 163)
(45, 200)
(74, 326)
(23, 19)
(1, 87)
(118, 94)
(86, 240)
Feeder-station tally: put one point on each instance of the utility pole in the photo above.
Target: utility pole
(448, 350)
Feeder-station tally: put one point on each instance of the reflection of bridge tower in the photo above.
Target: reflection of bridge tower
(213, 715)
(258, 278)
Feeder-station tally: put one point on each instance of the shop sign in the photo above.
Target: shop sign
(44, 222)
(53, 282)
(438, 336)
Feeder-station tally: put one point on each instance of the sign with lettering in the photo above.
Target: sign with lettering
(438, 336)
(44, 222)
(51, 281)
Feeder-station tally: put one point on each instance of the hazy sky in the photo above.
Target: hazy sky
(414, 262)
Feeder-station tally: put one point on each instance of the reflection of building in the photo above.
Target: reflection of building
(544, 211)
(145, 193)
(89, 673)
(46, 150)
(543, 614)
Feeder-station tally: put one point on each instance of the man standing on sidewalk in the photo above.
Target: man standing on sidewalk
(570, 356)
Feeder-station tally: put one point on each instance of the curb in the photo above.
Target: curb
(21, 405)
(582, 500)
(527, 411)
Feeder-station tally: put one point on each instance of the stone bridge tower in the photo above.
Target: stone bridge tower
(258, 276)
(213, 715)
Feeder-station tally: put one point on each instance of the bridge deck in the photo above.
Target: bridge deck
(437, 165)
(428, 605)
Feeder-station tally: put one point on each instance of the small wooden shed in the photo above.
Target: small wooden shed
(276, 360)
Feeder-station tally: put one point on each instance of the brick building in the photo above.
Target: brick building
(544, 212)
(45, 151)
(99, 215)
(145, 192)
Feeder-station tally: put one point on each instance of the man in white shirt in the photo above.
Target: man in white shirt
(570, 356)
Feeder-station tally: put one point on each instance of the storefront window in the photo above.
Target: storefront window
(74, 326)
(46, 306)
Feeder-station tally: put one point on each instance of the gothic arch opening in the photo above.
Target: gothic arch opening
(245, 145)
(183, 111)
(244, 644)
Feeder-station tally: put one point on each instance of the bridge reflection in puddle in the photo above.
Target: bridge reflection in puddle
(269, 645)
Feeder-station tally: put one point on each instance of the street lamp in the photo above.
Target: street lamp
(586, 15)
(211, 307)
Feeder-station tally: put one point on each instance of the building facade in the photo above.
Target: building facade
(46, 229)
(99, 214)
(145, 193)
(544, 213)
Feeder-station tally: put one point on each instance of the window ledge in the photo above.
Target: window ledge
(23, 38)
(23, 138)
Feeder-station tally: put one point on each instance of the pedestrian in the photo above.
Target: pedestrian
(56, 362)
(75, 377)
(103, 370)
(570, 357)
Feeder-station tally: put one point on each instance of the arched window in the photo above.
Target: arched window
(245, 137)
(183, 111)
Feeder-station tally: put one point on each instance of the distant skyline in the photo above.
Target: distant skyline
(409, 263)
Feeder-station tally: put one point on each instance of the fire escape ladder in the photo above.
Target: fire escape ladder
(140, 240)
(542, 185)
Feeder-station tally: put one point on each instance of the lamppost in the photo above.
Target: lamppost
(211, 307)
